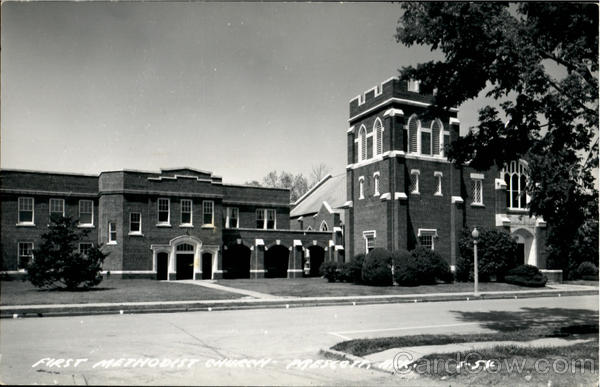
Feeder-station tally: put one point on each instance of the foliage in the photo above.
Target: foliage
(377, 268)
(526, 275)
(584, 247)
(496, 253)
(540, 61)
(587, 271)
(297, 184)
(406, 268)
(329, 270)
(57, 262)
(352, 271)
(318, 172)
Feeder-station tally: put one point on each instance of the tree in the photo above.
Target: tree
(540, 61)
(297, 184)
(318, 172)
(57, 262)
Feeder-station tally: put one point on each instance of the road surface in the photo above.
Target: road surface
(277, 345)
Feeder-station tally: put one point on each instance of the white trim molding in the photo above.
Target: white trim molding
(478, 176)
(502, 220)
(386, 196)
(400, 196)
(393, 112)
(457, 199)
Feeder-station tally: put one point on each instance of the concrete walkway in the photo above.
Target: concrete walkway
(212, 285)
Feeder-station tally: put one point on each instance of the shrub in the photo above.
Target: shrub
(406, 269)
(377, 269)
(352, 271)
(329, 270)
(526, 275)
(431, 266)
(496, 254)
(587, 271)
(57, 262)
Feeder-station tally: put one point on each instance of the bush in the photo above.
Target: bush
(431, 266)
(329, 270)
(496, 254)
(525, 275)
(406, 269)
(352, 271)
(377, 268)
(587, 271)
(57, 262)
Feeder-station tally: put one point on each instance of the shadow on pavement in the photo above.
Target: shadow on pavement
(558, 319)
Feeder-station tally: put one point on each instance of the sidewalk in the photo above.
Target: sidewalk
(261, 300)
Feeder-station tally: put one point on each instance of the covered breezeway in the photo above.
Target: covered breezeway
(236, 261)
(276, 261)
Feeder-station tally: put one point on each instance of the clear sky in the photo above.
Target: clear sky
(234, 88)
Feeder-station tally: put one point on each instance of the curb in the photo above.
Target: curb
(343, 356)
(19, 311)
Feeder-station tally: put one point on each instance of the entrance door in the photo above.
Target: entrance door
(162, 266)
(206, 266)
(185, 266)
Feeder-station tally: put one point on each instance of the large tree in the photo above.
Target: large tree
(540, 62)
(297, 184)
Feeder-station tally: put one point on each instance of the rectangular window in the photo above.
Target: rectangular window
(233, 215)
(369, 240)
(135, 223)
(260, 218)
(477, 192)
(25, 254)
(270, 219)
(57, 207)
(414, 182)
(438, 179)
(84, 247)
(86, 212)
(427, 238)
(26, 210)
(112, 233)
(186, 211)
(208, 211)
(164, 211)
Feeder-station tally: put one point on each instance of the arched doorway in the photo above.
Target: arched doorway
(162, 266)
(317, 257)
(526, 249)
(276, 262)
(236, 262)
(185, 261)
(206, 266)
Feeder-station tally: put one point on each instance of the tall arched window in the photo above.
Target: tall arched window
(413, 133)
(437, 131)
(515, 177)
(362, 143)
(378, 131)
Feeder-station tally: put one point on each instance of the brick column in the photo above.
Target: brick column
(257, 267)
(294, 262)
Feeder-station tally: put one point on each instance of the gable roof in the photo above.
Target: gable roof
(331, 190)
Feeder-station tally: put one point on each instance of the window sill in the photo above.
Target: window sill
(208, 226)
(135, 233)
(480, 205)
(376, 195)
(163, 225)
(517, 210)
(438, 194)
(86, 225)
(361, 198)
(186, 225)
(25, 224)
(415, 193)
(111, 243)
(232, 228)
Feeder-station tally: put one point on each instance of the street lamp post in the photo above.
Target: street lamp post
(475, 235)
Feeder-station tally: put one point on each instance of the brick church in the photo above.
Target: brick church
(399, 191)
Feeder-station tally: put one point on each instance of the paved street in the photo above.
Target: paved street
(196, 339)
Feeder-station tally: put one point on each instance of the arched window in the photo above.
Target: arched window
(324, 226)
(413, 133)
(378, 131)
(376, 184)
(437, 141)
(515, 177)
(361, 187)
(309, 228)
(362, 143)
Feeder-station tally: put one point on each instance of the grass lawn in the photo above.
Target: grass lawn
(17, 292)
(319, 287)
(574, 365)
(363, 347)
(581, 282)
